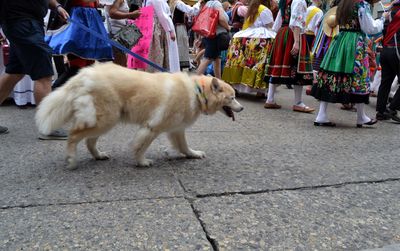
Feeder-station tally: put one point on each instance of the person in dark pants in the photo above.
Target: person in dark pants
(22, 23)
(390, 62)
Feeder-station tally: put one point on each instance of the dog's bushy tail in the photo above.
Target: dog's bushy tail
(54, 111)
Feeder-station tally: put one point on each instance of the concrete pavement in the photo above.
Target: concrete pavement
(271, 181)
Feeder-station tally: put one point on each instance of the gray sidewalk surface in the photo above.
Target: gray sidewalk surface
(271, 181)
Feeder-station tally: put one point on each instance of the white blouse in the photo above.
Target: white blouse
(315, 20)
(367, 22)
(189, 10)
(297, 16)
(264, 19)
(163, 13)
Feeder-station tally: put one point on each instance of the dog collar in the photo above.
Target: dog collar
(202, 97)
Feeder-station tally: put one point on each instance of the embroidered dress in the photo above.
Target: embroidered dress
(283, 68)
(344, 76)
(248, 53)
(71, 39)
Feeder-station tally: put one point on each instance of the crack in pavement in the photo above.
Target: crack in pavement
(88, 202)
(295, 188)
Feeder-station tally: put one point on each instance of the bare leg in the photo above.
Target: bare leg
(7, 84)
(42, 89)
(91, 145)
(178, 141)
(144, 137)
(203, 66)
(217, 68)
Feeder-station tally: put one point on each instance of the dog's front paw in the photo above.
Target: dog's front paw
(145, 163)
(71, 163)
(102, 156)
(196, 154)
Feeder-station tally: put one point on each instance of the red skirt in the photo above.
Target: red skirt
(283, 67)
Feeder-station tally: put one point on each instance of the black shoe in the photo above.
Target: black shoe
(381, 116)
(392, 114)
(3, 130)
(371, 122)
(328, 124)
(289, 86)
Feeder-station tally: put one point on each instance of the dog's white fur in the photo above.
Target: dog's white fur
(102, 95)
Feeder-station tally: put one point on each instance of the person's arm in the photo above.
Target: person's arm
(54, 5)
(222, 20)
(278, 22)
(297, 23)
(242, 11)
(115, 13)
(367, 22)
(296, 45)
(189, 10)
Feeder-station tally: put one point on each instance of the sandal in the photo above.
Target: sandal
(304, 109)
(272, 106)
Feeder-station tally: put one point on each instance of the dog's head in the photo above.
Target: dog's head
(219, 96)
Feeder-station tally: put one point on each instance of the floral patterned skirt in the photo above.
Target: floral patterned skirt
(283, 67)
(246, 61)
(343, 76)
(158, 52)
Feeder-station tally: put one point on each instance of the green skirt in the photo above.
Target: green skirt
(343, 76)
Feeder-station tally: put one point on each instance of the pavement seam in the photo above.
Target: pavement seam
(189, 198)
(295, 188)
(88, 202)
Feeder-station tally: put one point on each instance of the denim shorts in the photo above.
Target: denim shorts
(29, 53)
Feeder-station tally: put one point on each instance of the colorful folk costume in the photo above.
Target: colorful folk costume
(313, 20)
(285, 68)
(163, 50)
(81, 47)
(248, 54)
(343, 77)
(390, 62)
(327, 30)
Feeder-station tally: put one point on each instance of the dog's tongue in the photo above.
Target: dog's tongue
(229, 112)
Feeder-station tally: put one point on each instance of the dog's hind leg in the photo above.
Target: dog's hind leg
(91, 145)
(178, 140)
(74, 138)
(143, 139)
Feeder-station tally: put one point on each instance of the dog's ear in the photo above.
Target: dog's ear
(215, 86)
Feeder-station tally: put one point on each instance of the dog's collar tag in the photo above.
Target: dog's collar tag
(202, 98)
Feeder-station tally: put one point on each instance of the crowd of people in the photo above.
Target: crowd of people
(334, 48)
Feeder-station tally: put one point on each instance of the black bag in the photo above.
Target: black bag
(128, 36)
(223, 40)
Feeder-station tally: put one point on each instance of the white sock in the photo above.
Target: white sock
(298, 92)
(322, 116)
(361, 116)
(271, 93)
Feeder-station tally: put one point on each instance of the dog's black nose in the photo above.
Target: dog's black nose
(241, 109)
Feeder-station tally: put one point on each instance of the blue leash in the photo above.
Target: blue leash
(118, 45)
